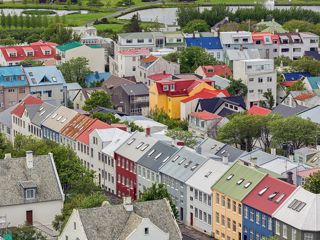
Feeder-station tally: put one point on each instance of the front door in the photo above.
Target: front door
(239, 235)
(29, 216)
(181, 214)
(191, 219)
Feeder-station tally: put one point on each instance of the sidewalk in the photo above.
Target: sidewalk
(192, 234)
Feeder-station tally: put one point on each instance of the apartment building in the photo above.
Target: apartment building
(236, 40)
(267, 44)
(259, 75)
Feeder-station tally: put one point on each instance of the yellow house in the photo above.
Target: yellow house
(228, 193)
(167, 94)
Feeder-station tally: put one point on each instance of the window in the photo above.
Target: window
(263, 220)
(200, 196)
(284, 231)
(251, 215)
(246, 212)
(251, 91)
(196, 212)
(223, 220)
(223, 201)
(209, 200)
(260, 91)
(217, 217)
(229, 223)
(308, 236)
(129, 41)
(30, 194)
(140, 40)
(251, 79)
(260, 80)
(293, 234)
(204, 216)
(74, 225)
(209, 219)
(196, 194)
(277, 228)
(239, 209)
(234, 226)
(269, 79)
(146, 231)
(270, 224)
(217, 198)
(257, 218)
(228, 203)
(234, 206)
(200, 214)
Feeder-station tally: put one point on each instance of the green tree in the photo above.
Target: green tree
(45, 21)
(27, 233)
(34, 21)
(98, 99)
(15, 21)
(269, 102)
(157, 192)
(297, 86)
(312, 183)
(106, 117)
(197, 25)
(133, 127)
(9, 21)
(30, 62)
(307, 64)
(159, 115)
(27, 21)
(242, 130)
(58, 33)
(237, 88)
(21, 21)
(75, 70)
(3, 19)
(296, 130)
(185, 136)
(293, 25)
(133, 25)
(285, 61)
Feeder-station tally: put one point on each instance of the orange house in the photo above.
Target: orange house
(167, 94)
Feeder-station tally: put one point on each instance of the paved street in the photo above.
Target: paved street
(191, 234)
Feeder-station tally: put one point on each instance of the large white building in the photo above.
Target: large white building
(30, 191)
(259, 75)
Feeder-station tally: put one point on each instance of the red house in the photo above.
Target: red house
(126, 157)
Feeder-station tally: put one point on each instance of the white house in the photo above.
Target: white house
(199, 194)
(259, 75)
(95, 55)
(131, 221)
(236, 40)
(30, 191)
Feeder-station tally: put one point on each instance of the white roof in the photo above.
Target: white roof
(207, 175)
(307, 218)
(149, 123)
(112, 138)
(282, 165)
(227, 37)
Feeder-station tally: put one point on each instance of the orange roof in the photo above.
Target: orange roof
(76, 126)
(261, 111)
(205, 115)
(95, 124)
(29, 100)
(149, 59)
(121, 126)
(305, 95)
(206, 93)
(220, 70)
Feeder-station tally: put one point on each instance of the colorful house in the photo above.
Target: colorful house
(260, 204)
(209, 71)
(167, 95)
(228, 194)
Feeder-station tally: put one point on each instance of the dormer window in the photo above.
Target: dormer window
(12, 54)
(210, 70)
(30, 193)
(47, 52)
(165, 88)
(172, 87)
(29, 189)
(29, 54)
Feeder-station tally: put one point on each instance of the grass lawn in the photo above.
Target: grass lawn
(114, 27)
(81, 19)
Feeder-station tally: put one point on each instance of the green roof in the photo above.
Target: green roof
(94, 46)
(232, 187)
(69, 45)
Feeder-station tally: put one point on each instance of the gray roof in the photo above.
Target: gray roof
(13, 173)
(5, 116)
(138, 89)
(114, 222)
(245, 54)
(286, 111)
(43, 111)
(32, 110)
(260, 156)
(231, 152)
(312, 113)
(183, 164)
(154, 163)
(136, 146)
(220, 81)
(306, 151)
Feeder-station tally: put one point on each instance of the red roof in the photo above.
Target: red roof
(256, 36)
(261, 200)
(207, 93)
(96, 124)
(308, 172)
(220, 70)
(139, 51)
(205, 115)
(261, 111)
(28, 100)
(306, 95)
(38, 49)
(40, 42)
(121, 126)
(160, 76)
(288, 83)
(149, 59)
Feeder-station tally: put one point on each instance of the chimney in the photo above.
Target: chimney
(29, 159)
(273, 151)
(253, 161)
(225, 159)
(7, 155)
(291, 158)
(127, 204)
(289, 177)
(148, 132)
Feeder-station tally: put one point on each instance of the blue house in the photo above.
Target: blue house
(312, 83)
(45, 82)
(295, 76)
(211, 44)
(260, 204)
(13, 86)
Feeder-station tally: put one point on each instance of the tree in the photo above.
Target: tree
(192, 57)
(27, 233)
(284, 60)
(9, 21)
(159, 115)
(30, 62)
(237, 88)
(3, 19)
(312, 183)
(98, 99)
(58, 33)
(242, 130)
(15, 21)
(157, 192)
(297, 86)
(106, 117)
(185, 136)
(293, 25)
(75, 70)
(296, 130)
(197, 25)
(133, 25)
(307, 64)
(269, 102)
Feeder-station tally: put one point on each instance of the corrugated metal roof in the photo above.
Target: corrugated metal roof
(76, 126)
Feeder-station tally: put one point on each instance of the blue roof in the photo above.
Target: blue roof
(44, 75)
(96, 77)
(294, 76)
(204, 42)
(314, 82)
(12, 72)
(315, 55)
